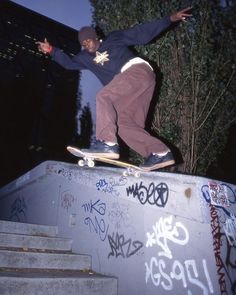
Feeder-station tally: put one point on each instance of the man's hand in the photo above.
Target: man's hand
(181, 15)
(44, 47)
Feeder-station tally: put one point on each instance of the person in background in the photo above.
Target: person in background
(129, 81)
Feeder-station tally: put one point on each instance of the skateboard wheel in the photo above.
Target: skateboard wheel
(81, 163)
(91, 163)
(137, 174)
(125, 173)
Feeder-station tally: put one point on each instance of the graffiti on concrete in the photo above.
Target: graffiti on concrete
(186, 273)
(230, 266)
(111, 186)
(122, 247)
(119, 216)
(98, 226)
(67, 200)
(79, 175)
(217, 244)
(95, 207)
(222, 196)
(230, 230)
(152, 194)
(52, 168)
(18, 210)
(215, 226)
(162, 271)
(105, 187)
(218, 194)
(67, 173)
(121, 181)
(95, 221)
(164, 232)
(223, 225)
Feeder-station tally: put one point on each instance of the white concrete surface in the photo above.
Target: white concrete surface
(162, 233)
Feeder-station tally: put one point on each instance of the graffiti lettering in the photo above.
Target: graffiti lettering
(218, 194)
(99, 227)
(164, 275)
(216, 246)
(98, 207)
(78, 175)
(231, 199)
(110, 186)
(95, 224)
(103, 185)
(178, 273)
(119, 216)
(193, 279)
(121, 181)
(121, 247)
(65, 173)
(18, 209)
(164, 231)
(157, 272)
(153, 195)
(67, 199)
(230, 230)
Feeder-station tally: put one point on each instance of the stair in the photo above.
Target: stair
(34, 260)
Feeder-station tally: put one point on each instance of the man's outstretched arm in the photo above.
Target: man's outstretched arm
(60, 57)
(145, 32)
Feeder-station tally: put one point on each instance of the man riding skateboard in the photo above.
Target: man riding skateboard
(129, 81)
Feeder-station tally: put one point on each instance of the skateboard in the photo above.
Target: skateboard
(88, 159)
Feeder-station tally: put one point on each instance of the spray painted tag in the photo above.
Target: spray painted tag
(218, 194)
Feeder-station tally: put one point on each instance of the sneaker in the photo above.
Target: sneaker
(155, 161)
(101, 149)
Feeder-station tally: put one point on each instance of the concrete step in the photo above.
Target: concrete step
(28, 229)
(56, 283)
(34, 242)
(36, 260)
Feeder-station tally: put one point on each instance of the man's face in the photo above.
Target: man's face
(91, 45)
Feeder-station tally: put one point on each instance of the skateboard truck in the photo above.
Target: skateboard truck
(131, 171)
(86, 161)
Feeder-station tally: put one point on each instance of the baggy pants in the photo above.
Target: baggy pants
(122, 107)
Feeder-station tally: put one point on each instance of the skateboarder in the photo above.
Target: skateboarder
(129, 82)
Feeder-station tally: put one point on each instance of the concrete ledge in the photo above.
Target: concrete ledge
(47, 283)
(27, 228)
(13, 259)
(34, 242)
(163, 233)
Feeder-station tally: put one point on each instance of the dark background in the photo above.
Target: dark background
(39, 100)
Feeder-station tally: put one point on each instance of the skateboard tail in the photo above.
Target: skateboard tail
(74, 151)
(159, 166)
(79, 153)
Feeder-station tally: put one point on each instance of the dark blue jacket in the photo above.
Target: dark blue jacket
(116, 45)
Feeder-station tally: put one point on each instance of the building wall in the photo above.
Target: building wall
(162, 233)
(39, 100)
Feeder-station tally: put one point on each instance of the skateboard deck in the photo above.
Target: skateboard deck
(88, 159)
